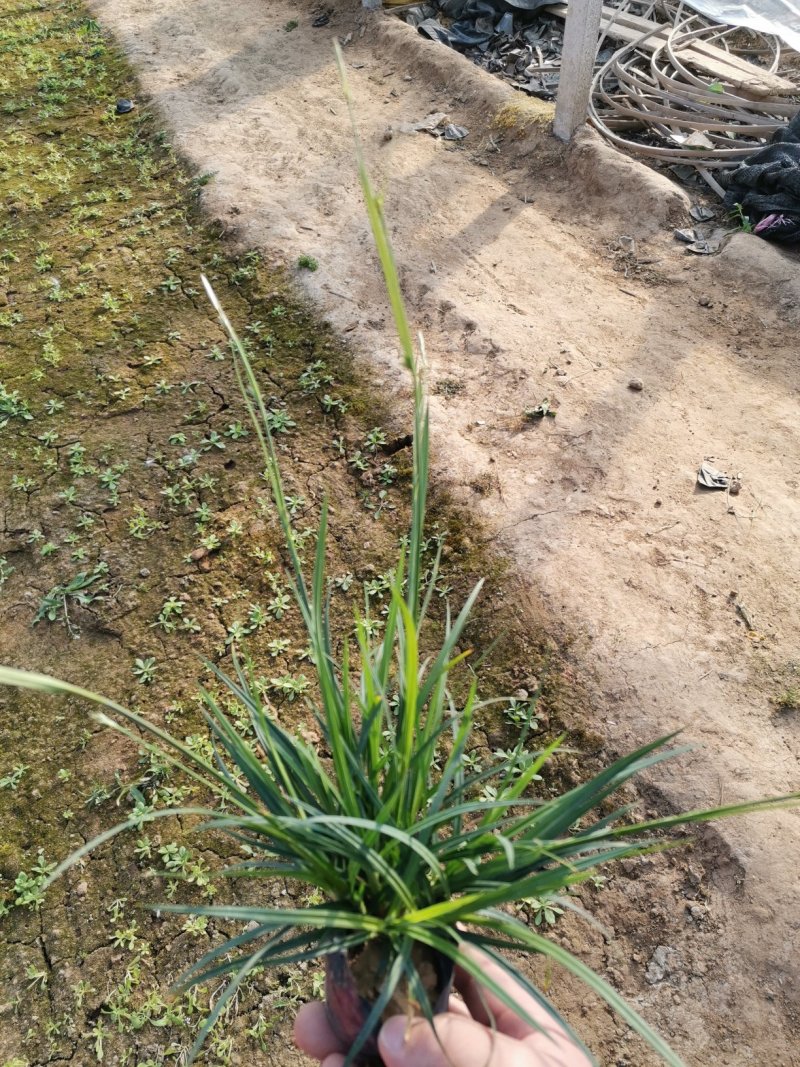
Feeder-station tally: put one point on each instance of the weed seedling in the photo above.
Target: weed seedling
(331, 404)
(6, 570)
(14, 777)
(738, 217)
(140, 526)
(788, 700)
(144, 670)
(84, 589)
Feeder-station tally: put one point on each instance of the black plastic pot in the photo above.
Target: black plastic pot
(348, 1009)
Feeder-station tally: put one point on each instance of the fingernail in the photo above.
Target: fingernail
(392, 1038)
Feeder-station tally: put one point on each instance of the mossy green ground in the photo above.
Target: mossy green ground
(137, 537)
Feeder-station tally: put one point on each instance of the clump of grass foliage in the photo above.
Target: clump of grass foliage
(385, 821)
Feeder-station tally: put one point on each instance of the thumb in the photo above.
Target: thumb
(457, 1042)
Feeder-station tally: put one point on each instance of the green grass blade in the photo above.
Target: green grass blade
(134, 823)
(225, 997)
(452, 949)
(516, 934)
(210, 777)
(788, 800)
(273, 918)
(421, 458)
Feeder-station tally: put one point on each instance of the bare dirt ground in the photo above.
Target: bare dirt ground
(525, 294)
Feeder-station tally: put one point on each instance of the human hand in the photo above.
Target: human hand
(463, 1038)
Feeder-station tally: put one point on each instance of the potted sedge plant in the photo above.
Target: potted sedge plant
(415, 859)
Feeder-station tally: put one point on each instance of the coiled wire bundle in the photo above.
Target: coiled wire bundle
(648, 100)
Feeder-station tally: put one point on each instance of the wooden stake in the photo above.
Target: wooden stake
(581, 34)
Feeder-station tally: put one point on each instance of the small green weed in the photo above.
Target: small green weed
(738, 216)
(145, 670)
(28, 888)
(6, 570)
(84, 589)
(788, 700)
(140, 526)
(14, 777)
(12, 406)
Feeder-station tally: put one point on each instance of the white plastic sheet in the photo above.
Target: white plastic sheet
(778, 17)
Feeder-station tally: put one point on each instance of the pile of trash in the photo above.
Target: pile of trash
(687, 91)
(765, 189)
(671, 86)
(515, 39)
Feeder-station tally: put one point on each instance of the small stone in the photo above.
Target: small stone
(198, 554)
(124, 107)
(81, 889)
(144, 572)
(657, 967)
(663, 962)
(520, 694)
(636, 384)
(705, 302)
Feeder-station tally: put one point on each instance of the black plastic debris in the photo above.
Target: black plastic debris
(321, 20)
(416, 15)
(124, 107)
(514, 39)
(766, 187)
(435, 31)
